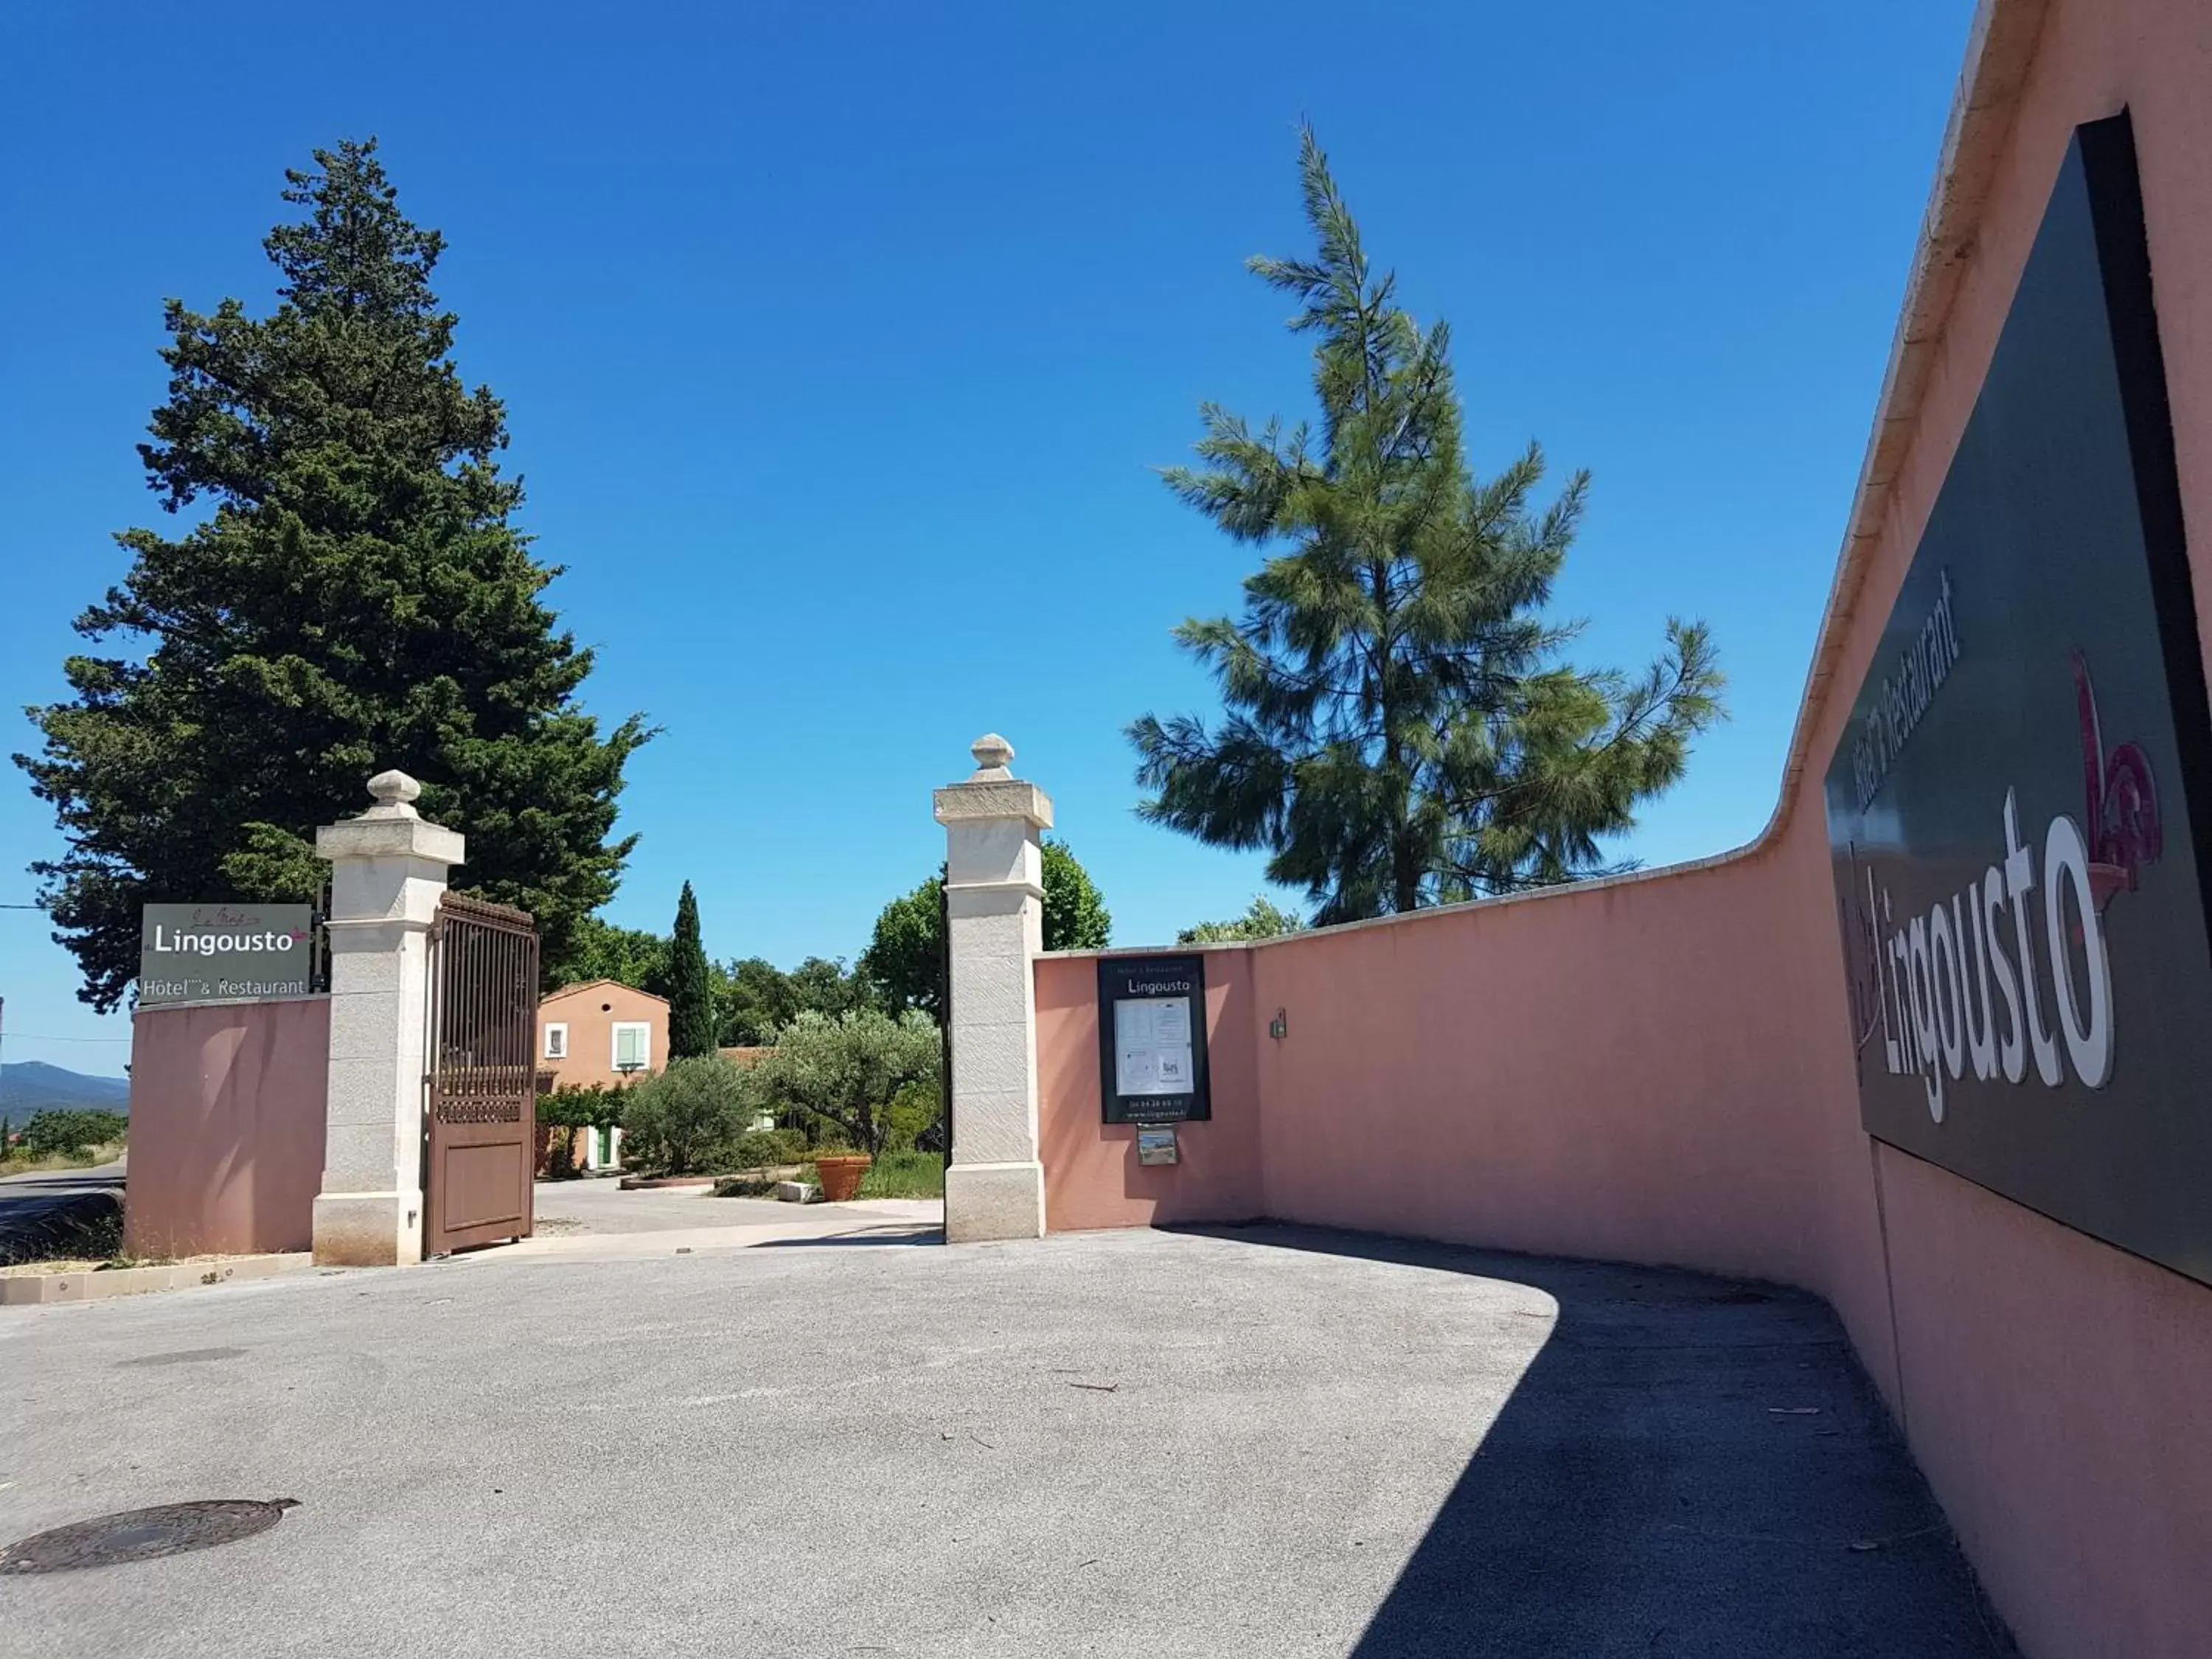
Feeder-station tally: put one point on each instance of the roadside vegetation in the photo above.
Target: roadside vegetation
(19, 1163)
(80, 1244)
(63, 1139)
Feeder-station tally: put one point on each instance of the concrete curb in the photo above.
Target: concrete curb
(93, 1284)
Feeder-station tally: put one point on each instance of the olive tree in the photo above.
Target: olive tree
(843, 1074)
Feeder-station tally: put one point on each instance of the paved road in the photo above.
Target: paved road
(596, 1221)
(20, 1193)
(1272, 1442)
(598, 1205)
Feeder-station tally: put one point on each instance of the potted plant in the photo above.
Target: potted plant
(840, 1170)
(838, 1076)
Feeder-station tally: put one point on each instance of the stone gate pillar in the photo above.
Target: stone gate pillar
(994, 921)
(388, 869)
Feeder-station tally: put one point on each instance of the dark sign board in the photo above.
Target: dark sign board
(224, 953)
(2018, 809)
(1151, 1039)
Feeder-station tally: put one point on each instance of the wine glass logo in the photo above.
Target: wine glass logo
(2122, 800)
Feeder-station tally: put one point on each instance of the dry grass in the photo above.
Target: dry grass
(90, 1158)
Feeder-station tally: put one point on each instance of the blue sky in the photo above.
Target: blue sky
(842, 343)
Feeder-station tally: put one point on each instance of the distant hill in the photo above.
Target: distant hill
(32, 1085)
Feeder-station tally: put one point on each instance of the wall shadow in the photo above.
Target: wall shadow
(1690, 1466)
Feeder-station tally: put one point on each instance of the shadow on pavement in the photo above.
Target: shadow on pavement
(923, 1233)
(50, 1225)
(1691, 1466)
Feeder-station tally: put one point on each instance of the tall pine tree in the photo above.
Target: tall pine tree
(1400, 729)
(692, 1023)
(354, 597)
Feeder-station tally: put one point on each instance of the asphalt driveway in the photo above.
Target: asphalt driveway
(598, 1205)
(1273, 1442)
(596, 1221)
(42, 1187)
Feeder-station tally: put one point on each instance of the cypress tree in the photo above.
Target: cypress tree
(354, 595)
(691, 1023)
(1401, 730)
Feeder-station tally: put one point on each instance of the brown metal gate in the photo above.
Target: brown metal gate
(481, 1076)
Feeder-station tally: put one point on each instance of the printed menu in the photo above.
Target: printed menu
(1152, 1037)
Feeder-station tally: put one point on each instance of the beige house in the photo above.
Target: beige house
(599, 1032)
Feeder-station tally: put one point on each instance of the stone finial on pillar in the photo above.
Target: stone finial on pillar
(388, 869)
(994, 921)
(993, 756)
(395, 795)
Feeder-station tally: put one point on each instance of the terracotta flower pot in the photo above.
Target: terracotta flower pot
(840, 1175)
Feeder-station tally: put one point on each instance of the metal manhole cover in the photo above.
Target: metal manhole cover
(143, 1534)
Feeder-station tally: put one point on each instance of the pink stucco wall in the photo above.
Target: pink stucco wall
(1653, 1070)
(1218, 1178)
(226, 1116)
(1658, 1069)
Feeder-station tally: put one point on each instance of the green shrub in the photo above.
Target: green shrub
(69, 1133)
(904, 1175)
(687, 1119)
(761, 1149)
(582, 1106)
(916, 1110)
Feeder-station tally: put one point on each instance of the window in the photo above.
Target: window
(556, 1043)
(632, 1045)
